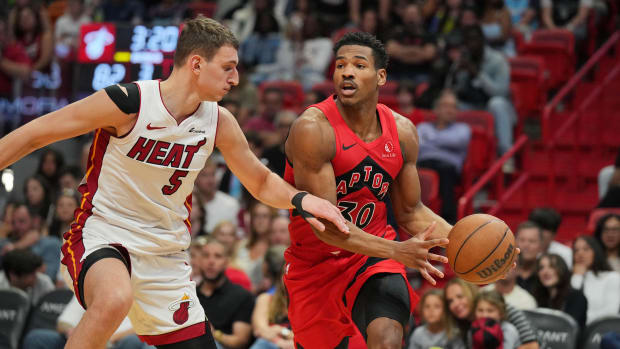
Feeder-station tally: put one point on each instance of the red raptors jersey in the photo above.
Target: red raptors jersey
(364, 173)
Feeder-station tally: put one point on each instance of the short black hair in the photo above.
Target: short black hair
(368, 40)
(546, 218)
(21, 261)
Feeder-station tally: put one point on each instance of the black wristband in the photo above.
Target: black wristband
(296, 201)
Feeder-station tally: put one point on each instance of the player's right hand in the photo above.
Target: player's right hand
(414, 253)
(324, 209)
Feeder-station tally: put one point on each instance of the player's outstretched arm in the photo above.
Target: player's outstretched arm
(411, 214)
(93, 112)
(263, 184)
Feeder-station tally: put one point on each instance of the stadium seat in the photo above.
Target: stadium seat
(557, 49)
(527, 74)
(293, 92)
(201, 7)
(14, 306)
(597, 329)
(325, 87)
(597, 214)
(555, 329)
(47, 311)
(429, 185)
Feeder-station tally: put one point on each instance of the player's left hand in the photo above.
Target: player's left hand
(324, 209)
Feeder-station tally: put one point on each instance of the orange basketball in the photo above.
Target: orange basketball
(481, 249)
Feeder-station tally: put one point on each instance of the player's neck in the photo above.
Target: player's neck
(178, 97)
(362, 119)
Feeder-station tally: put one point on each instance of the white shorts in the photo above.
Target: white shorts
(165, 308)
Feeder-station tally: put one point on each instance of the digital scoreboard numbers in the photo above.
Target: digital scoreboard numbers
(111, 54)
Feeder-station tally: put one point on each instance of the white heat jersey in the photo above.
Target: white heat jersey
(137, 189)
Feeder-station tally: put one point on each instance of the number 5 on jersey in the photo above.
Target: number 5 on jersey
(175, 182)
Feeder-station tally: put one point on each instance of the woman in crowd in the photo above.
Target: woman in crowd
(497, 26)
(38, 200)
(251, 251)
(607, 233)
(31, 31)
(65, 205)
(50, 166)
(459, 297)
(270, 316)
(553, 289)
(438, 329)
(198, 215)
(593, 275)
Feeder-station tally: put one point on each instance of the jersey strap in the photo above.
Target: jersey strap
(128, 102)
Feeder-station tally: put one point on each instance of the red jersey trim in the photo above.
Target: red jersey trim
(188, 221)
(73, 247)
(193, 331)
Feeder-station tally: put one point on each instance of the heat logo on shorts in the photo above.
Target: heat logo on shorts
(180, 309)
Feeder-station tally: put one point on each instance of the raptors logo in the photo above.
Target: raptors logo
(180, 309)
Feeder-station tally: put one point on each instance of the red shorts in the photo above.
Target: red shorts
(321, 296)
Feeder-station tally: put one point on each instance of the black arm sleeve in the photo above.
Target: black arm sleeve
(129, 103)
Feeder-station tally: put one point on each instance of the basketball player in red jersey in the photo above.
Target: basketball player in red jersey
(357, 153)
(126, 251)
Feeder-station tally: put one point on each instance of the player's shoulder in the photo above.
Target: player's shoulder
(312, 122)
(406, 129)
(311, 134)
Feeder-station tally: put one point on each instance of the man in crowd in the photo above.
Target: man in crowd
(21, 271)
(228, 306)
(529, 240)
(549, 221)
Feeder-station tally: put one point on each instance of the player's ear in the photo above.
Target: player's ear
(381, 76)
(194, 63)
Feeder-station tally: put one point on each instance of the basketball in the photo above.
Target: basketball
(481, 249)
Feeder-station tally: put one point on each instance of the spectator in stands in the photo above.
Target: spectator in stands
(123, 338)
(229, 183)
(513, 294)
(529, 240)
(607, 233)
(549, 221)
(481, 80)
(313, 97)
(571, 15)
(245, 19)
(195, 255)
(411, 49)
(437, 330)
(405, 95)
(32, 33)
(444, 19)
(198, 215)
(65, 205)
(167, 12)
(226, 234)
(122, 11)
(313, 56)
(218, 205)
(272, 102)
(459, 297)
(593, 275)
(51, 163)
(553, 289)
(227, 306)
(67, 29)
(261, 47)
(274, 260)
(69, 178)
(274, 154)
(278, 234)
(270, 317)
(491, 305)
(524, 14)
(38, 198)
(611, 192)
(21, 270)
(23, 235)
(14, 62)
(370, 23)
(497, 27)
(469, 16)
(251, 251)
(443, 148)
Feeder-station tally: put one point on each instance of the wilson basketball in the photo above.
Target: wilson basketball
(481, 249)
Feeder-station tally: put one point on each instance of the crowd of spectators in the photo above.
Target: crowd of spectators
(446, 56)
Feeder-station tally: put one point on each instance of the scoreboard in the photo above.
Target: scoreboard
(113, 53)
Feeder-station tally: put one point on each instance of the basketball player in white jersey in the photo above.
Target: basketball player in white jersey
(126, 250)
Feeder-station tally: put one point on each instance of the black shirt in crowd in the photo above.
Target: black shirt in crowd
(228, 304)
